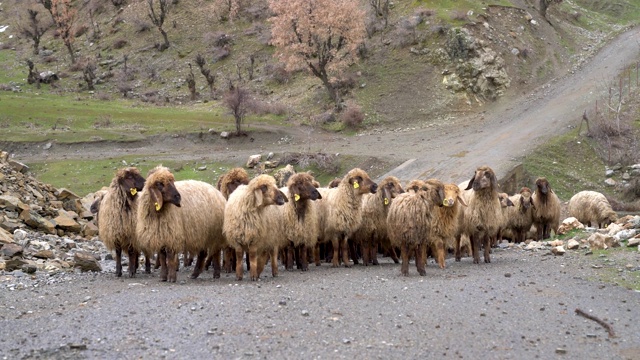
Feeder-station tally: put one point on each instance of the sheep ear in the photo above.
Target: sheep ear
(470, 185)
(259, 197)
(462, 200)
(386, 196)
(156, 197)
(510, 203)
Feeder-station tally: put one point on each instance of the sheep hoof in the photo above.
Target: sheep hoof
(422, 273)
(347, 265)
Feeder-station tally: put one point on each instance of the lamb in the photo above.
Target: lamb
(592, 207)
(117, 211)
(520, 216)
(299, 219)
(482, 216)
(410, 220)
(227, 183)
(375, 208)
(445, 222)
(546, 212)
(340, 213)
(250, 222)
(193, 223)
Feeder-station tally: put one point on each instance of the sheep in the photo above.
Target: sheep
(481, 218)
(520, 216)
(546, 212)
(250, 222)
(340, 213)
(592, 207)
(410, 219)
(505, 204)
(282, 175)
(445, 222)
(117, 212)
(193, 223)
(227, 183)
(373, 228)
(299, 219)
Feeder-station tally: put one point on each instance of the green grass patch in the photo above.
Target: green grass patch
(614, 269)
(607, 12)
(570, 163)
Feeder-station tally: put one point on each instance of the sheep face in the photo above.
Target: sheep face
(162, 188)
(451, 195)
(504, 200)
(301, 187)
(434, 190)
(361, 182)
(390, 189)
(414, 185)
(543, 185)
(265, 191)
(130, 180)
(525, 199)
(483, 178)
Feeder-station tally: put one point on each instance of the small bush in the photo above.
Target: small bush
(49, 59)
(103, 122)
(103, 96)
(352, 116)
(278, 73)
(217, 39)
(220, 54)
(459, 15)
(261, 108)
(140, 26)
(81, 30)
(120, 43)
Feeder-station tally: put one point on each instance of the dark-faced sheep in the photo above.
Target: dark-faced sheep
(227, 183)
(300, 219)
(409, 222)
(251, 224)
(373, 228)
(175, 216)
(117, 212)
(340, 213)
(592, 207)
(546, 212)
(520, 216)
(483, 214)
(445, 222)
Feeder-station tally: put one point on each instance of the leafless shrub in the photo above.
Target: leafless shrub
(576, 16)
(459, 15)
(124, 88)
(6, 87)
(352, 116)
(324, 118)
(439, 29)
(217, 39)
(103, 96)
(278, 73)
(77, 66)
(220, 54)
(262, 108)
(5, 45)
(257, 10)
(81, 30)
(120, 43)
(345, 83)
(140, 26)
(49, 59)
(103, 122)
(425, 13)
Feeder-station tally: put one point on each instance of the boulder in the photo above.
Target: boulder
(5, 237)
(569, 224)
(599, 241)
(86, 262)
(253, 161)
(573, 244)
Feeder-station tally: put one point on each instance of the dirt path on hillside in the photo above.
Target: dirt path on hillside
(499, 136)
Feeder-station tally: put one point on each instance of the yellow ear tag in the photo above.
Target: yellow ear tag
(296, 197)
(158, 207)
(134, 191)
(445, 202)
(386, 201)
(356, 185)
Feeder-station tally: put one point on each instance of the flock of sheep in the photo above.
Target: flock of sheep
(354, 215)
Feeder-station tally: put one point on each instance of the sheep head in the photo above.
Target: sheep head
(543, 185)
(360, 181)
(266, 192)
(414, 185)
(301, 187)
(451, 194)
(334, 183)
(231, 180)
(525, 199)
(130, 181)
(162, 189)
(390, 189)
(483, 178)
(504, 200)
(435, 191)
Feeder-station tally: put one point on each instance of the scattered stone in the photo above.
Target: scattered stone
(599, 241)
(305, 312)
(573, 244)
(202, 168)
(270, 156)
(29, 268)
(44, 254)
(561, 351)
(283, 175)
(253, 161)
(5, 237)
(610, 182)
(225, 134)
(86, 261)
(556, 243)
(558, 250)
(633, 242)
(11, 250)
(569, 224)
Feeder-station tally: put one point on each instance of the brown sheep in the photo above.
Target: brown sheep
(373, 228)
(505, 204)
(520, 216)
(445, 222)
(117, 211)
(340, 213)
(175, 216)
(592, 207)
(227, 183)
(546, 212)
(410, 219)
(250, 223)
(300, 219)
(482, 216)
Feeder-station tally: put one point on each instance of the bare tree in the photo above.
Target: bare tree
(381, 9)
(89, 74)
(34, 30)
(322, 35)
(158, 20)
(211, 79)
(34, 77)
(191, 83)
(64, 15)
(238, 102)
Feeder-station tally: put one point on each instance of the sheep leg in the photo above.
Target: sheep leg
(440, 254)
(457, 251)
(353, 250)
(274, 262)
(394, 256)
(316, 254)
(214, 258)
(289, 252)
(344, 247)
(162, 262)
(188, 258)
(421, 259)
(475, 248)
(147, 263)
(172, 266)
(304, 261)
(335, 262)
(404, 253)
(229, 259)
(133, 261)
(239, 271)
(200, 261)
(374, 254)
(487, 248)
(253, 260)
(118, 261)
(366, 253)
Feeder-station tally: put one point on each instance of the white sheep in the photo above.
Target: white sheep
(592, 207)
